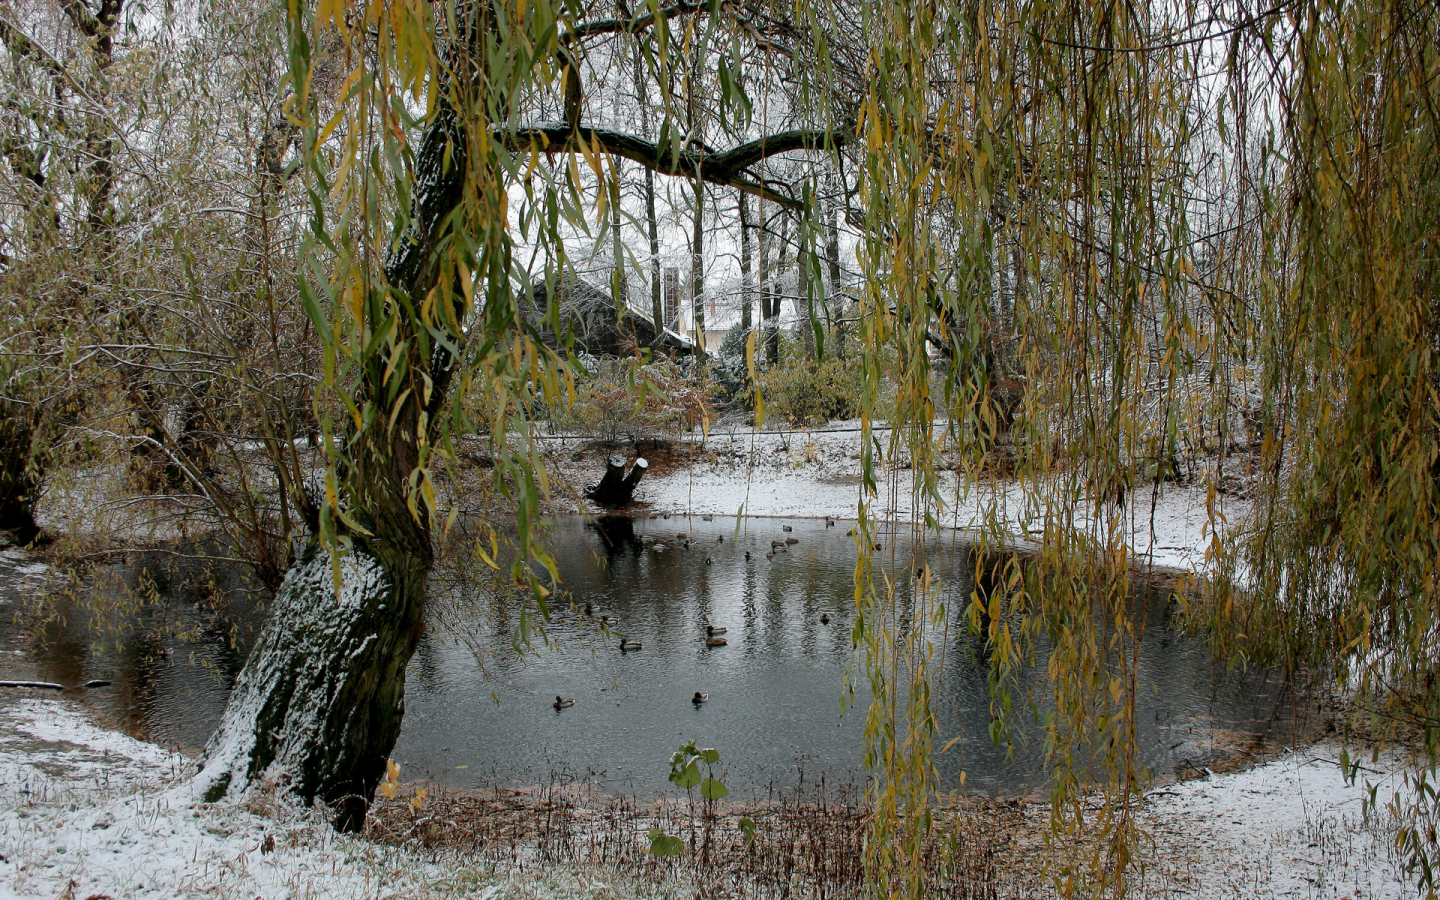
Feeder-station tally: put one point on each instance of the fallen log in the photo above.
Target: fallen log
(46, 685)
(616, 488)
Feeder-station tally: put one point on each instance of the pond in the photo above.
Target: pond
(479, 713)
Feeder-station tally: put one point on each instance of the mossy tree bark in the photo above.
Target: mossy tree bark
(318, 706)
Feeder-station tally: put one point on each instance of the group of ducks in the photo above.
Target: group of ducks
(712, 639)
(566, 702)
(712, 632)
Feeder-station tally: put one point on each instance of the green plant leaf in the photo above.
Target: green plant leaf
(714, 789)
(747, 830)
(687, 776)
(662, 844)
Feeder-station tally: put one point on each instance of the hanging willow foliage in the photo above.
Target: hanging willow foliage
(1119, 229)
(1335, 572)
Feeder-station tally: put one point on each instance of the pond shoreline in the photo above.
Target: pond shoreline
(1229, 827)
(115, 813)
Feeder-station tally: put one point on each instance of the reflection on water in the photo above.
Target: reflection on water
(478, 712)
(779, 700)
(169, 630)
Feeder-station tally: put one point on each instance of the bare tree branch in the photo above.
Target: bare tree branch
(723, 168)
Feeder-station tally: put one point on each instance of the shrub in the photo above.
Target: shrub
(804, 392)
(625, 400)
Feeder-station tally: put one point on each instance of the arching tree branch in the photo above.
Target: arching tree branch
(724, 168)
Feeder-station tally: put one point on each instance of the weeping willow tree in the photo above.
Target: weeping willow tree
(413, 285)
(1239, 204)
(1085, 228)
(1336, 572)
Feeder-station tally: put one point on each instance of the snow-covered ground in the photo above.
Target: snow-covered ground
(88, 813)
(817, 473)
(1292, 827)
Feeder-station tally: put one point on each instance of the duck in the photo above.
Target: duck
(699, 698)
(776, 545)
(708, 560)
(713, 630)
(792, 540)
(824, 618)
(561, 702)
(720, 539)
(682, 536)
(628, 645)
(706, 518)
(747, 555)
(786, 528)
(715, 642)
(589, 609)
(829, 522)
(879, 547)
(770, 554)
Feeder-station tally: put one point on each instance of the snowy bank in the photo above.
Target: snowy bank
(815, 473)
(86, 812)
(1292, 827)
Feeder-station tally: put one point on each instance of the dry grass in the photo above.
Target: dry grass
(805, 845)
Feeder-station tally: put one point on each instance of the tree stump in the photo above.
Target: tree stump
(616, 487)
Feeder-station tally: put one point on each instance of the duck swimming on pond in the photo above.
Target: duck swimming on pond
(629, 645)
(747, 554)
(713, 630)
(786, 528)
(589, 609)
(562, 703)
(699, 698)
(824, 619)
(716, 642)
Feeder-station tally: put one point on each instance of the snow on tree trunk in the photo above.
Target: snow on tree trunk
(317, 708)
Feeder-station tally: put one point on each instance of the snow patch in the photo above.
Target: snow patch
(815, 473)
(1289, 828)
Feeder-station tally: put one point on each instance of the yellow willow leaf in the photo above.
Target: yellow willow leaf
(327, 11)
(342, 175)
(467, 283)
(602, 205)
(396, 409)
(355, 303)
(335, 120)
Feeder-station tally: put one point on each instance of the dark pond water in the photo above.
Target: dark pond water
(480, 713)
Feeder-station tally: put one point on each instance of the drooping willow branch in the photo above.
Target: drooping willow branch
(727, 167)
